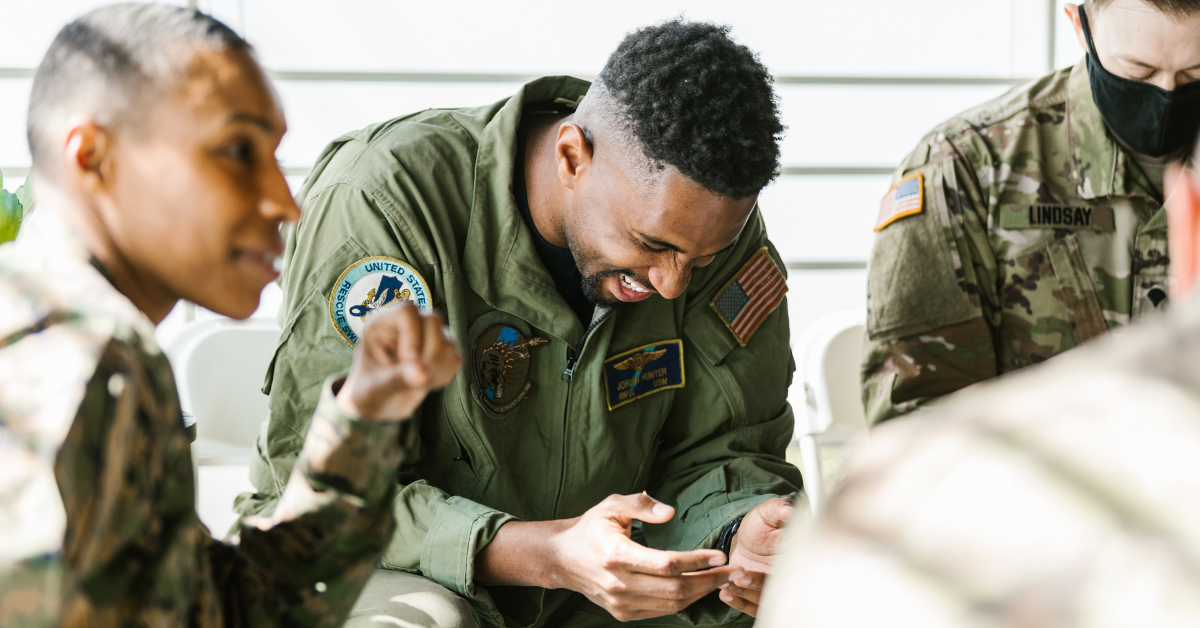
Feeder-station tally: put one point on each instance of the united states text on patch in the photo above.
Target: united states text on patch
(753, 293)
(369, 285)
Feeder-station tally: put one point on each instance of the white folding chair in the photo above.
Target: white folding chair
(829, 363)
(219, 366)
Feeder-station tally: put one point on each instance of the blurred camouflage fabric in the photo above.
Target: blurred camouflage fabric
(1038, 233)
(97, 512)
(1065, 495)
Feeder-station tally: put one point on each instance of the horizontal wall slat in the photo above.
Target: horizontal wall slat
(488, 77)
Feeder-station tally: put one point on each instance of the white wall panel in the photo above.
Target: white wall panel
(823, 218)
(867, 125)
(318, 112)
(14, 107)
(873, 37)
(813, 294)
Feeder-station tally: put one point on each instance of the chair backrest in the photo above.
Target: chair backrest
(829, 357)
(219, 367)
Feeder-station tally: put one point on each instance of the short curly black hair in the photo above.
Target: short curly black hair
(701, 102)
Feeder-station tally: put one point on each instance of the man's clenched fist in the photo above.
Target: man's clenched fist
(401, 357)
(753, 548)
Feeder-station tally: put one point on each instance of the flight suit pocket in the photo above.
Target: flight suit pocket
(1049, 303)
(710, 484)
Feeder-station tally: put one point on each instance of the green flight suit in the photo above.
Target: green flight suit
(434, 191)
(1037, 233)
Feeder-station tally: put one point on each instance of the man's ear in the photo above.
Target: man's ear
(573, 152)
(1072, 11)
(86, 155)
(1183, 228)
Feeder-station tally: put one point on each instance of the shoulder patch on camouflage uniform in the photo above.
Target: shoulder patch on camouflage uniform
(907, 198)
(631, 375)
(753, 293)
(370, 284)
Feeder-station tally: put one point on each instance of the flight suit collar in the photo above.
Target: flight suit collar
(499, 260)
(1099, 168)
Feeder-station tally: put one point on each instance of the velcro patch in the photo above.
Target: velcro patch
(631, 375)
(906, 199)
(369, 285)
(1077, 217)
(753, 293)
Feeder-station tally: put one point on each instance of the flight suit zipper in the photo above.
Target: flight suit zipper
(573, 356)
(567, 375)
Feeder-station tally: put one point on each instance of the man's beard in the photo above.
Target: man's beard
(593, 283)
(593, 288)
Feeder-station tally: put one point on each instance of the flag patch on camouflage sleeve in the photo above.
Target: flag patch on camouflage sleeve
(906, 199)
(753, 293)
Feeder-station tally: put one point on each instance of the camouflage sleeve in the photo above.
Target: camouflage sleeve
(929, 320)
(135, 553)
(306, 563)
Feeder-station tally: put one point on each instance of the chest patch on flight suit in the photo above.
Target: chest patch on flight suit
(753, 293)
(501, 366)
(1080, 217)
(631, 375)
(370, 284)
(906, 199)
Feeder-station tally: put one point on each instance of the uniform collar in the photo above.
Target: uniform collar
(1099, 167)
(500, 261)
(52, 247)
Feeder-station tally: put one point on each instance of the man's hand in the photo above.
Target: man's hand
(593, 555)
(401, 357)
(752, 548)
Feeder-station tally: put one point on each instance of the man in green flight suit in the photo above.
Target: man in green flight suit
(605, 267)
(1034, 223)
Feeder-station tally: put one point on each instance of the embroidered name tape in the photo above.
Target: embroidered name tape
(906, 199)
(631, 375)
(369, 285)
(1077, 217)
(753, 293)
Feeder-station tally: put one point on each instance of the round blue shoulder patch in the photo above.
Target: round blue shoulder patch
(370, 284)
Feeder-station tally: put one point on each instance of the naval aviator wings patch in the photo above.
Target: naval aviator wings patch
(753, 293)
(906, 199)
(631, 375)
(369, 285)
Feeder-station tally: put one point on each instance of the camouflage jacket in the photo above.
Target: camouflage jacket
(1064, 495)
(1033, 232)
(97, 518)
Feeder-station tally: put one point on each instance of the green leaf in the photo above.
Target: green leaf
(11, 213)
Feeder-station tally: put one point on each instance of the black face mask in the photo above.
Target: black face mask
(1148, 118)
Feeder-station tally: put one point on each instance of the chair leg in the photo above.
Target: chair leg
(810, 459)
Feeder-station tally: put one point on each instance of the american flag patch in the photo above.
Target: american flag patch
(753, 293)
(906, 199)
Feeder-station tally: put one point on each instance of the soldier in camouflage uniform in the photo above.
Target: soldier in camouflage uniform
(1065, 495)
(97, 518)
(1027, 226)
